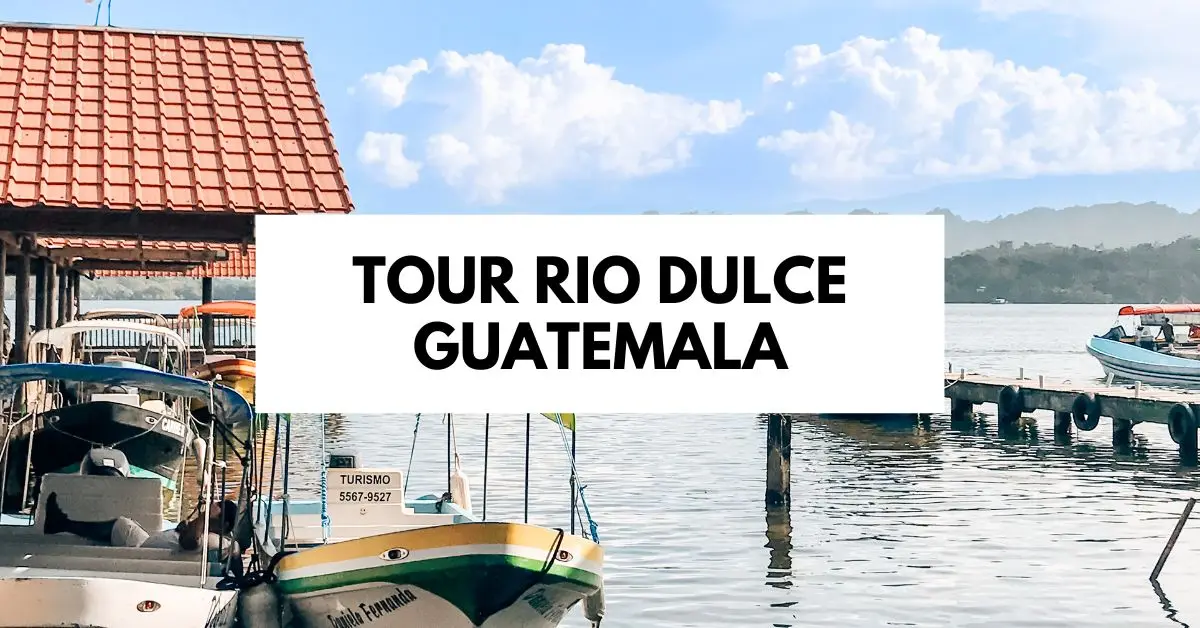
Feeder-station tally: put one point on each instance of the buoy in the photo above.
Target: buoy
(593, 607)
(1085, 412)
(1180, 422)
(260, 607)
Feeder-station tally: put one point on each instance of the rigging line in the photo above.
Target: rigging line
(487, 428)
(579, 486)
(412, 451)
(324, 489)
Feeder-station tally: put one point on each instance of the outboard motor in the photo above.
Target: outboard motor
(105, 461)
(261, 606)
(593, 607)
(342, 460)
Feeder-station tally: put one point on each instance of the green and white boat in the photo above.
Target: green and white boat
(365, 554)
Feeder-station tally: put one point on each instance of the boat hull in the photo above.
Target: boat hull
(1133, 363)
(71, 430)
(111, 603)
(468, 575)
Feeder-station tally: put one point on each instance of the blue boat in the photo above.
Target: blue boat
(1155, 353)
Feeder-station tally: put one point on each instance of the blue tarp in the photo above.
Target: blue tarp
(231, 407)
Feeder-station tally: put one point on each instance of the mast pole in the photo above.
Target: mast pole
(487, 429)
(526, 467)
(574, 480)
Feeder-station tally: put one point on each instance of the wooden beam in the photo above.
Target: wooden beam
(176, 226)
(5, 331)
(39, 297)
(97, 264)
(51, 292)
(60, 299)
(136, 255)
(20, 318)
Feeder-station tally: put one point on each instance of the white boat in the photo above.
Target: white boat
(366, 554)
(67, 580)
(161, 347)
(1148, 354)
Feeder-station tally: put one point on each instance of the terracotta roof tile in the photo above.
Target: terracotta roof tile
(238, 264)
(111, 118)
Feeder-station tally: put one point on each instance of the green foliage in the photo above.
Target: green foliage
(1046, 273)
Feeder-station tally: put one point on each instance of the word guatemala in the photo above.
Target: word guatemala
(494, 273)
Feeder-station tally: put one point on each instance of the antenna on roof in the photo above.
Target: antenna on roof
(98, 6)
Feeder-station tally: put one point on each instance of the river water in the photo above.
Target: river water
(890, 525)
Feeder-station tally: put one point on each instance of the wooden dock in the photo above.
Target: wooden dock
(1078, 404)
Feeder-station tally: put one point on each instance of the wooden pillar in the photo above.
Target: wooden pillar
(961, 411)
(39, 296)
(51, 292)
(61, 301)
(71, 279)
(1122, 433)
(779, 459)
(1062, 427)
(5, 336)
(206, 321)
(20, 319)
(76, 304)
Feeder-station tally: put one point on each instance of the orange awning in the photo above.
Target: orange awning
(1165, 308)
(227, 308)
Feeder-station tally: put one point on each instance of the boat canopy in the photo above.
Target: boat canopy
(230, 407)
(1163, 308)
(227, 308)
(110, 313)
(60, 336)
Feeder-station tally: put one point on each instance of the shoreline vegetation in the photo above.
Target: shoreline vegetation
(1051, 274)
(154, 289)
(1025, 273)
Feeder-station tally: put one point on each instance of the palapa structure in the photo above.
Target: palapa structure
(149, 153)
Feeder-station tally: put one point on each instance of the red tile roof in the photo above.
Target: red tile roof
(105, 118)
(236, 265)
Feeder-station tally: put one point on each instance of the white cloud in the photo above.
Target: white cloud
(558, 117)
(384, 152)
(1144, 39)
(920, 112)
(390, 86)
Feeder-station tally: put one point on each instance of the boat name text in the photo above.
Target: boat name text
(365, 478)
(367, 613)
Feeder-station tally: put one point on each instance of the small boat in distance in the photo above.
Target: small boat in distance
(1145, 345)
(999, 301)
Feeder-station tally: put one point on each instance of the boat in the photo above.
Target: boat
(62, 579)
(81, 341)
(999, 301)
(367, 554)
(1148, 354)
(236, 372)
(139, 316)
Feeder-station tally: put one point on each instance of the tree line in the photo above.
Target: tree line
(1046, 273)
(154, 289)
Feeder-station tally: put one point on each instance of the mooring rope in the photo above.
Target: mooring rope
(412, 451)
(324, 487)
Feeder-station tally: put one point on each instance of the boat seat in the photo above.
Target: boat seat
(102, 498)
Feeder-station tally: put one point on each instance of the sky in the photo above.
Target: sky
(982, 107)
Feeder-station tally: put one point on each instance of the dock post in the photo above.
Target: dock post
(1122, 434)
(20, 318)
(961, 411)
(51, 270)
(61, 300)
(779, 459)
(206, 321)
(3, 278)
(39, 296)
(1062, 427)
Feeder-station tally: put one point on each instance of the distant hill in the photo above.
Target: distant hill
(153, 289)
(1110, 225)
(1046, 273)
